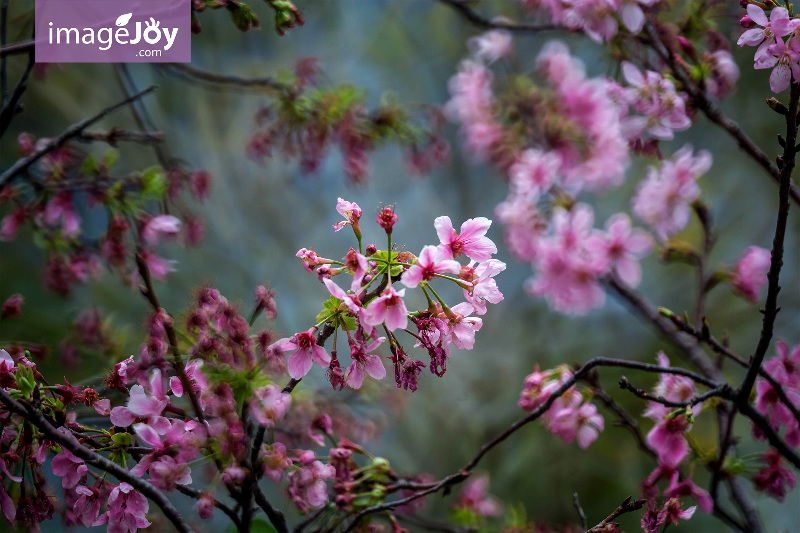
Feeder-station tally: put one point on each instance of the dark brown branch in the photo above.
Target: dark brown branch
(720, 391)
(67, 441)
(650, 312)
(582, 515)
(771, 308)
(10, 106)
(721, 349)
(579, 374)
(196, 494)
(213, 78)
(114, 135)
(472, 16)
(275, 516)
(74, 131)
(16, 48)
(625, 507)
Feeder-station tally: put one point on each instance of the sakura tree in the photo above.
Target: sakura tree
(218, 415)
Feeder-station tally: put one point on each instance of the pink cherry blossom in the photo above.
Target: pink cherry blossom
(663, 198)
(60, 209)
(667, 439)
(88, 505)
(778, 25)
(158, 225)
(583, 423)
(491, 45)
(363, 360)
(69, 468)
(127, 510)
(622, 247)
(269, 405)
(388, 308)
(351, 213)
(471, 241)
(484, 287)
(475, 497)
(462, 327)
(775, 478)
(426, 268)
(307, 487)
(785, 368)
(306, 352)
(632, 14)
(785, 60)
(749, 274)
(274, 460)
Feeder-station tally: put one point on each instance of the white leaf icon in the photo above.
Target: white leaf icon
(123, 19)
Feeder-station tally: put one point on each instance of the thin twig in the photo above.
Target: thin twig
(213, 78)
(196, 494)
(627, 506)
(17, 48)
(472, 16)
(577, 504)
(74, 131)
(694, 400)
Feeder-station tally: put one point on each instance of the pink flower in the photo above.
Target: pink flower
(158, 266)
(69, 468)
(622, 247)
(351, 213)
(491, 45)
(749, 275)
(632, 14)
(462, 327)
(205, 506)
(785, 60)
(161, 224)
(350, 300)
(534, 172)
(667, 439)
(662, 200)
(306, 352)
(127, 510)
(778, 25)
(307, 487)
(388, 308)
(774, 478)
(583, 423)
(269, 405)
(166, 473)
(274, 460)
(60, 208)
(426, 267)
(785, 368)
(672, 512)
(688, 488)
(144, 405)
(88, 505)
(484, 287)
(472, 240)
(476, 498)
(363, 361)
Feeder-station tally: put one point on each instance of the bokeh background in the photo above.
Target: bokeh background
(259, 215)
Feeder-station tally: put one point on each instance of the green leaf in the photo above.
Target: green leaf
(110, 157)
(89, 165)
(154, 183)
(123, 439)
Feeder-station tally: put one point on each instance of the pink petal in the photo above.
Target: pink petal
(299, 364)
(374, 367)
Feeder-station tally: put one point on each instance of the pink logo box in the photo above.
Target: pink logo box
(113, 31)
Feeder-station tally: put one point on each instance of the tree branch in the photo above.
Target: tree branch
(74, 131)
(472, 16)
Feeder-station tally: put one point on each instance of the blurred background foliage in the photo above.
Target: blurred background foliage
(259, 216)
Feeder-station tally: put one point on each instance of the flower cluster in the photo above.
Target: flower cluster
(784, 368)
(599, 19)
(571, 416)
(372, 302)
(773, 52)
